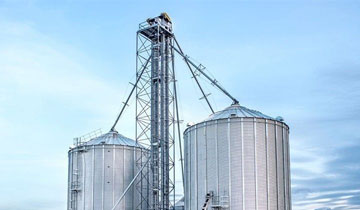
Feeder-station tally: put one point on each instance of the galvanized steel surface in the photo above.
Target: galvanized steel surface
(236, 110)
(99, 172)
(112, 137)
(242, 159)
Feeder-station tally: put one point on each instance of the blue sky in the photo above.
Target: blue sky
(65, 68)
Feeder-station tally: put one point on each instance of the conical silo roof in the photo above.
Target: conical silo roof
(236, 110)
(114, 138)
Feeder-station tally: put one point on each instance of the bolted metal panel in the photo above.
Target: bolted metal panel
(108, 177)
(136, 193)
(272, 167)
(88, 179)
(280, 167)
(201, 163)
(249, 164)
(193, 196)
(99, 173)
(286, 203)
(212, 160)
(261, 169)
(223, 158)
(288, 178)
(236, 163)
(119, 177)
(246, 163)
(286, 169)
(98, 179)
(187, 170)
(129, 168)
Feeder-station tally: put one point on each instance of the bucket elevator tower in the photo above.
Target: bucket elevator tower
(155, 110)
(236, 159)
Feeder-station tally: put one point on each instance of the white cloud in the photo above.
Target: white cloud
(335, 192)
(42, 67)
(37, 72)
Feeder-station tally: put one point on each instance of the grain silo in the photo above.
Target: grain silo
(100, 170)
(237, 159)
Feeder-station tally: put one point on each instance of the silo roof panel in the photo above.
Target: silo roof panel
(236, 110)
(114, 138)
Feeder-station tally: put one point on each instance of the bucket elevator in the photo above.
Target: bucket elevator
(236, 159)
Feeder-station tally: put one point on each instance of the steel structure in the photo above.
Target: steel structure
(157, 116)
(155, 108)
(236, 159)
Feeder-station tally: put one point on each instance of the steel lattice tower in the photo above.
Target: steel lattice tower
(157, 113)
(155, 108)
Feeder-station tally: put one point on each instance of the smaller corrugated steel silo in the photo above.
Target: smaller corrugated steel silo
(100, 170)
(237, 159)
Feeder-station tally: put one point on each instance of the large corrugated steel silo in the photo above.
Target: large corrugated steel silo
(237, 159)
(100, 170)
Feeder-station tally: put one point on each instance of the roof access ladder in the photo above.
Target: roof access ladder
(208, 198)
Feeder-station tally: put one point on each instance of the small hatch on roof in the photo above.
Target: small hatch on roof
(279, 118)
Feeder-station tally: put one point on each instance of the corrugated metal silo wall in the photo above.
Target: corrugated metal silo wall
(102, 173)
(243, 161)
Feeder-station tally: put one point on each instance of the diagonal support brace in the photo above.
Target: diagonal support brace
(201, 70)
(132, 90)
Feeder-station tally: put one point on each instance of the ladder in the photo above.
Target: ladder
(207, 200)
(75, 186)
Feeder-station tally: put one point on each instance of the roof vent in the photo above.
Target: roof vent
(279, 118)
(190, 124)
